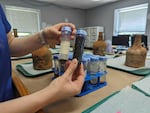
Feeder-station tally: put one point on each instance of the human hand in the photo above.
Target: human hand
(52, 34)
(64, 86)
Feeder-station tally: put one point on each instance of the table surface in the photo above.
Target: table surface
(116, 80)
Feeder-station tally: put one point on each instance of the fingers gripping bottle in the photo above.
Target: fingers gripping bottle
(79, 44)
(64, 46)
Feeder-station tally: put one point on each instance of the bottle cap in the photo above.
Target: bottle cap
(55, 57)
(70, 56)
(94, 58)
(66, 28)
(102, 58)
(81, 32)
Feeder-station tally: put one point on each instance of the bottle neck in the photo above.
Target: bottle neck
(100, 36)
(15, 32)
(137, 40)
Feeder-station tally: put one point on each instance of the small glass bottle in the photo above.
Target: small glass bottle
(85, 64)
(64, 47)
(88, 56)
(65, 43)
(56, 66)
(99, 47)
(15, 31)
(102, 68)
(102, 64)
(79, 45)
(94, 69)
(70, 56)
(94, 65)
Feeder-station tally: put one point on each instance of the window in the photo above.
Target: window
(25, 20)
(130, 20)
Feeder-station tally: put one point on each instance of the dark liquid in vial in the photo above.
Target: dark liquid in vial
(79, 47)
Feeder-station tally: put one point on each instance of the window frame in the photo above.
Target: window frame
(131, 8)
(25, 9)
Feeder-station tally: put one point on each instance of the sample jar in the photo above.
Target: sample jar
(64, 47)
(102, 68)
(56, 66)
(79, 44)
(85, 62)
(102, 64)
(93, 69)
(65, 43)
(94, 65)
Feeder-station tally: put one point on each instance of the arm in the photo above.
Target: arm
(60, 88)
(22, 46)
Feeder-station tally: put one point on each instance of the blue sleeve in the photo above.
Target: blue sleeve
(4, 20)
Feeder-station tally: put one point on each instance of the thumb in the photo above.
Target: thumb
(71, 68)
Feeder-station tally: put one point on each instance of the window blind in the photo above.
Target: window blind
(26, 20)
(131, 20)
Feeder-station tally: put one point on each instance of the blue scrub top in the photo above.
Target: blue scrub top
(6, 89)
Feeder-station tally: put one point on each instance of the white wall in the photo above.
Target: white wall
(51, 14)
(104, 15)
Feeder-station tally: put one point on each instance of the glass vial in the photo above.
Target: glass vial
(102, 69)
(93, 66)
(85, 62)
(56, 66)
(65, 43)
(64, 47)
(79, 44)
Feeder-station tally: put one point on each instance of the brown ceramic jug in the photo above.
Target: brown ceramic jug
(136, 55)
(42, 58)
(99, 47)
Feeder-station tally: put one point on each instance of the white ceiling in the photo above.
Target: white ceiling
(82, 4)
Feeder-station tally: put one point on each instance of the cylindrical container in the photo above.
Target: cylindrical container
(102, 68)
(56, 66)
(102, 64)
(88, 56)
(102, 79)
(94, 69)
(64, 47)
(79, 44)
(94, 65)
(65, 43)
(70, 56)
(105, 63)
(85, 62)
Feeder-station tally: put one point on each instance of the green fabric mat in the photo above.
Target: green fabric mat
(143, 85)
(140, 72)
(98, 103)
(136, 87)
(118, 63)
(27, 70)
(127, 100)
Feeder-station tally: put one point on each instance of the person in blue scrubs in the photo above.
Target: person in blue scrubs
(60, 88)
